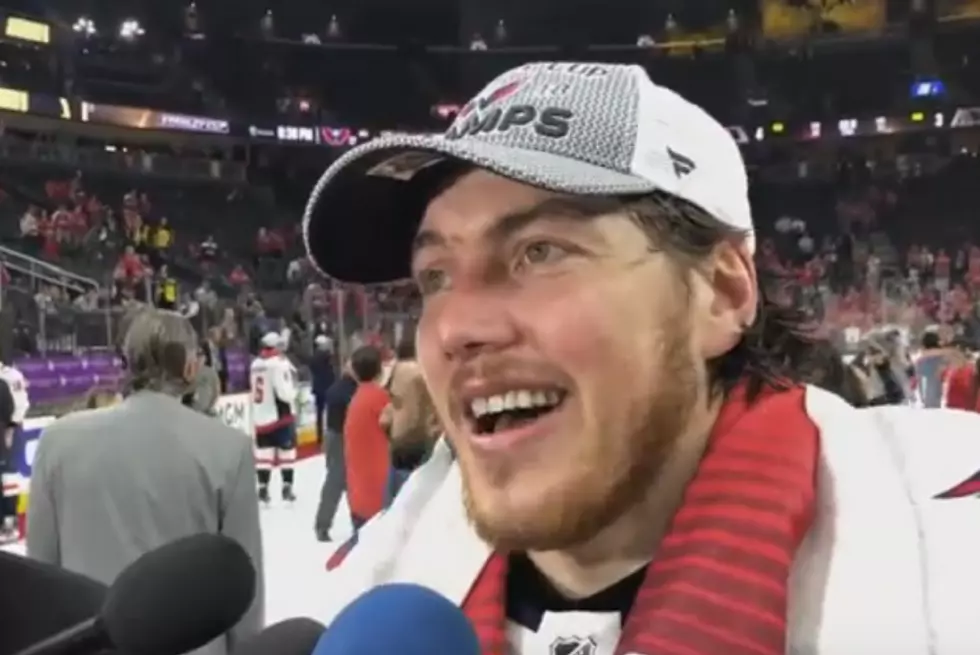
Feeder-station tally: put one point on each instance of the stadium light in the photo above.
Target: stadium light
(131, 29)
(84, 26)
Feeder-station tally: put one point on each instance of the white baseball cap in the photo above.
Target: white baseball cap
(576, 128)
(272, 340)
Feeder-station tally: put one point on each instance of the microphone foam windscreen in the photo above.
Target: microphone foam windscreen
(180, 597)
(38, 600)
(297, 636)
(400, 618)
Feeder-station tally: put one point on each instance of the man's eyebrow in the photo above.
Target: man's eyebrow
(558, 207)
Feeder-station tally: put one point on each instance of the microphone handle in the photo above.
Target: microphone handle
(85, 638)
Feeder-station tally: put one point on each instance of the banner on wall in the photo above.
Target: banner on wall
(235, 411)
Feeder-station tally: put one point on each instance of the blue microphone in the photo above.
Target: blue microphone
(399, 618)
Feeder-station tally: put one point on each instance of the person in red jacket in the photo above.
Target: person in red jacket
(365, 441)
(962, 387)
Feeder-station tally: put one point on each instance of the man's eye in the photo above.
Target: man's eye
(430, 280)
(542, 252)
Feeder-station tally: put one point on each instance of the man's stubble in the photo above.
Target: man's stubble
(616, 471)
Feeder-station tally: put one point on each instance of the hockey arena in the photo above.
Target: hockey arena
(469, 327)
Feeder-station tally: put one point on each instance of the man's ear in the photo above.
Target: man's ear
(733, 296)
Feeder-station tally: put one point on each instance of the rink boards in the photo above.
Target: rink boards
(234, 410)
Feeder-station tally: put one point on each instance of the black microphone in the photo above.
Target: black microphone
(169, 601)
(297, 636)
(39, 599)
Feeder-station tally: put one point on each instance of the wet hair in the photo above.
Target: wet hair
(930, 341)
(157, 347)
(365, 362)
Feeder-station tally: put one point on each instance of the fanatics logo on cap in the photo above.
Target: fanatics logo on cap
(682, 165)
(573, 646)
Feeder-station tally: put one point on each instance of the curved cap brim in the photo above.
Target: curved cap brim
(365, 210)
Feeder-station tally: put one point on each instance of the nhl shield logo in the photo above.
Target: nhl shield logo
(573, 646)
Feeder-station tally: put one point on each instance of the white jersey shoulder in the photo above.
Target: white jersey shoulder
(18, 389)
(889, 563)
(272, 384)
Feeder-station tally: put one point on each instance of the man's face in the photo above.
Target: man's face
(527, 304)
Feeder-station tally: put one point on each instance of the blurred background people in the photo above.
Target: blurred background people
(8, 499)
(323, 374)
(336, 398)
(883, 385)
(203, 395)
(930, 365)
(272, 381)
(412, 424)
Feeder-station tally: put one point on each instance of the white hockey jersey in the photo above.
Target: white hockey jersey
(18, 389)
(272, 381)
(889, 564)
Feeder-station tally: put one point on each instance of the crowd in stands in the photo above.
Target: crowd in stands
(127, 243)
(855, 256)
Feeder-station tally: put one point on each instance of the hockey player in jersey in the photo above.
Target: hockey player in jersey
(273, 389)
(16, 383)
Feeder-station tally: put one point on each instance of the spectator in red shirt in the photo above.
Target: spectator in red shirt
(365, 441)
(238, 276)
(57, 190)
(130, 268)
(269, 243)
(961, 388)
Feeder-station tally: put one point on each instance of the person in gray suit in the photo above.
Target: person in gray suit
(204, 394)
(109, 485)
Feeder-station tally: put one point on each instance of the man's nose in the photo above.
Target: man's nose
(469, 323)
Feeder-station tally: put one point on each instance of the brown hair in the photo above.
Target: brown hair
(157, 347)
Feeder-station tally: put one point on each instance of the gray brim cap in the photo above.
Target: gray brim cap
(576, 128)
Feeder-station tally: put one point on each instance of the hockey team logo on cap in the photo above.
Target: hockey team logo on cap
(485, 101)
(573, 646)
(490, 113)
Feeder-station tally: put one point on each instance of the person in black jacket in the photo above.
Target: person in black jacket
(8, 504)
(323, 374)
(336, 399)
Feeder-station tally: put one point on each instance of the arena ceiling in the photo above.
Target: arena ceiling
(430, 22)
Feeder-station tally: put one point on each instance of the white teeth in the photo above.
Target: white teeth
(496, 404)
(515, 399)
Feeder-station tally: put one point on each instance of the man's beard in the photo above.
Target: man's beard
(613, 477)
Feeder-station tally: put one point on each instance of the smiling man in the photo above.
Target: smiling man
(633, 467)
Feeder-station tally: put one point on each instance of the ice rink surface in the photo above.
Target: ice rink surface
(294, 559)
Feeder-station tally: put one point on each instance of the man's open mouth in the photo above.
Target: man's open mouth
(512, 409)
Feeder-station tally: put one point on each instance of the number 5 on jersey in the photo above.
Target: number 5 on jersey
(258, 389)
